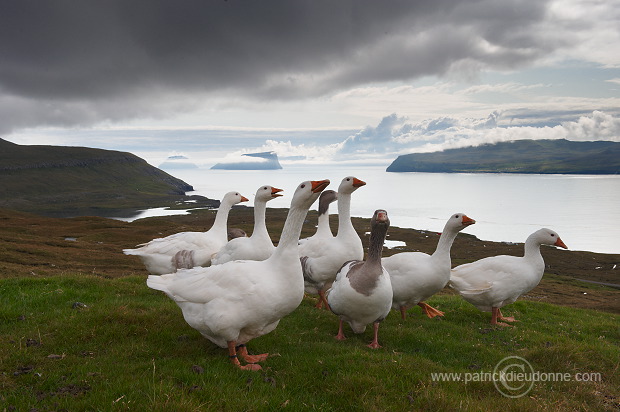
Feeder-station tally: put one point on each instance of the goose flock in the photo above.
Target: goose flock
(233, 288)
(188, 249)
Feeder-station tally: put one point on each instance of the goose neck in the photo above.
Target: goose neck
(375, 246)
(291, 232)
(259, 219)
(445, 243)
(532, 249)
(221, 217)
(344, 213)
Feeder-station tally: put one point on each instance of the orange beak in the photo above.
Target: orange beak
(358, 183)
(559, 243)
(468, 221)
(275, 191)
(319, 185)
(244, 199)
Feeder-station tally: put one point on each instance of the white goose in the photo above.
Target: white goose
(232, 303)
(362, 291)
(417, 276)
(187, 249)
(496, 281)
(322, 260)
(323, 230)
(259, 245)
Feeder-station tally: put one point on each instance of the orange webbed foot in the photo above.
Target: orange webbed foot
(250, 367)
(243, 352)
(497, 315)
(430, 311)
(254, 358)
(506, 318)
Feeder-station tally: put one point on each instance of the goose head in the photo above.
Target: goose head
(232, 198)
(350, 184)
(267, 193)
(307, 192)
(380, 218)
(548, 237)
(458, 222)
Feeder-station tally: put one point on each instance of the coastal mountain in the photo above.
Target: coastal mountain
(521, 156)
(70, 181)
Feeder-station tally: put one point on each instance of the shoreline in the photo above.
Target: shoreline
(37, 246)
(211, 204)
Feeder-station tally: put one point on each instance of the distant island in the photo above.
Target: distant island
(521, 156)
(74, 181)
(177, 162)
(258, 161)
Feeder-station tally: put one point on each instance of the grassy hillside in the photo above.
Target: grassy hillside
(80, 331)
(57, 180)
(523, 156)
(83, 342)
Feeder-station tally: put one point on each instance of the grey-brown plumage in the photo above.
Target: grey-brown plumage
(235, 232)
(362, 291)
(323, 230)
(326, 198)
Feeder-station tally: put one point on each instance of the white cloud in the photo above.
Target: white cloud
(396, 135)
(600, 126)
(309, 152)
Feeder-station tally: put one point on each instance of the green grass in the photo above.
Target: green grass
(130, 349)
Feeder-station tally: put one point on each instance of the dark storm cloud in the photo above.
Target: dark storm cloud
(74, 62)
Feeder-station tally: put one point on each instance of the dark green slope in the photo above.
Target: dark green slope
(522, 156)
(69, 181)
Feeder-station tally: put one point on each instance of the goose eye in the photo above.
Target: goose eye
(552, 235)
(302, 186)
(348, 179)
(457, 216)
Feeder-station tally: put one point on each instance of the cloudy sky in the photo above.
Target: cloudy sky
(361, 79)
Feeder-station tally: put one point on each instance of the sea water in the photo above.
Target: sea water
(583, 209)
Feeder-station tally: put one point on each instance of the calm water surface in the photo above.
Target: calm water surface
(584, 210)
